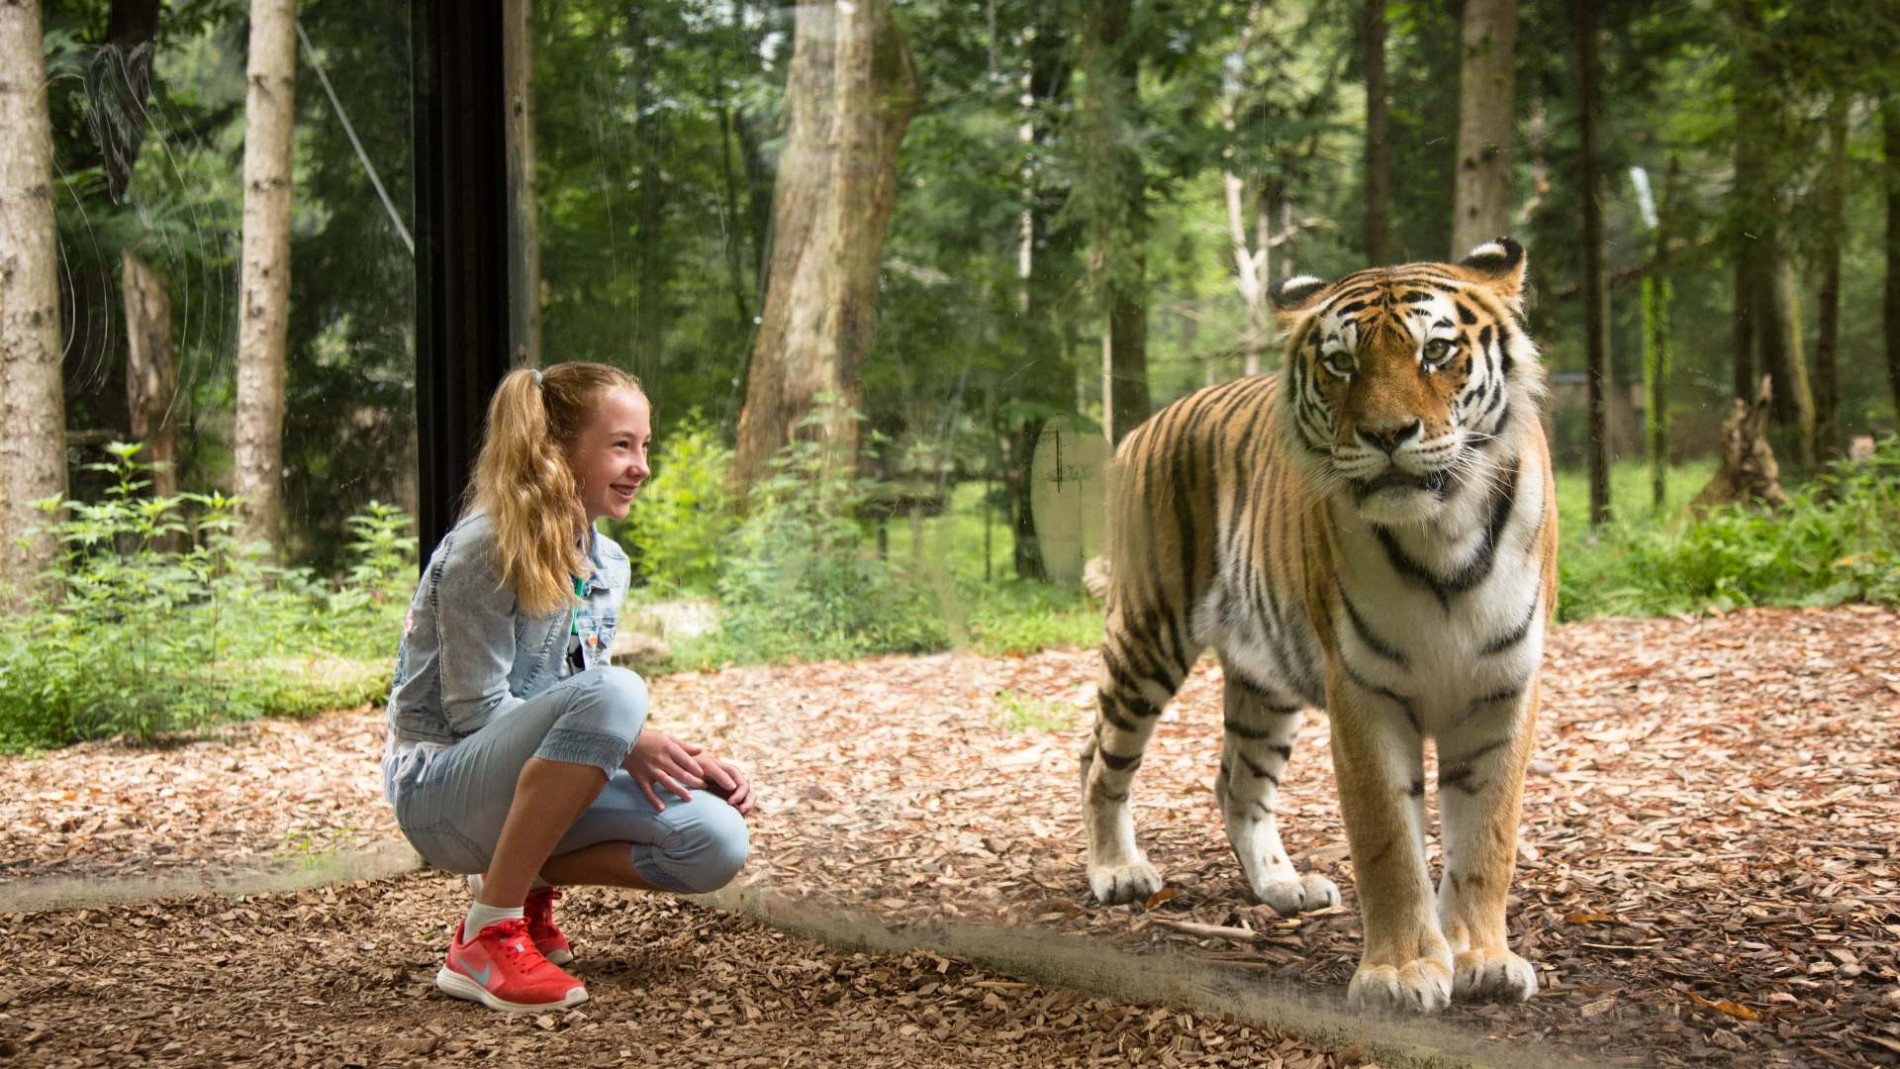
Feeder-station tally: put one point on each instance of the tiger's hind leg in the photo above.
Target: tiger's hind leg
(1260, 726)
(1141, 670)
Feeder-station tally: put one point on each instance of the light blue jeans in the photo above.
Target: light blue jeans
(453, 809)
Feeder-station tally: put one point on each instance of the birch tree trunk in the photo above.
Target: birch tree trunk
(524, 229)
(151, 373)
(264, 281)
(851, 92)
(32, 398)
(1487, 106)
(1250, 264)
(1378, 154)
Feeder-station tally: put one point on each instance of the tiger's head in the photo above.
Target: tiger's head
(1404, 385)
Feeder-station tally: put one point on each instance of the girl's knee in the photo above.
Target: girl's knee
(715, 848)
(622, 697)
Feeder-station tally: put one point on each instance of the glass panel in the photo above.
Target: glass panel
(177, 275)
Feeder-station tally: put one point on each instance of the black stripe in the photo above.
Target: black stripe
(1516, 634)
(1476, 570)
(1371, 641)
(1467, 759)
(1120, 722)
(1262, 693)
(1495, 697)
(1117, 762)
(1404, 703)
(1460, 779)
(1241, 731)
(1259, 770)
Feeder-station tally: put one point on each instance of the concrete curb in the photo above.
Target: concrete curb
(1316, 1015)
(379, 861)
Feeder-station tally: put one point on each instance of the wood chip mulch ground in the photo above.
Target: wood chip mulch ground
(1710, 871)
(343, 976)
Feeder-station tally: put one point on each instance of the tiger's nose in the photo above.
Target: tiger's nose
(1388, 437)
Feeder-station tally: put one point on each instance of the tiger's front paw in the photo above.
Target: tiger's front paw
(1287, 897)
(1420, 986)
(1130, 882)
(1486, 975)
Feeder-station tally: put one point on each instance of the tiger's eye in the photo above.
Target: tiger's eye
(1438, 350)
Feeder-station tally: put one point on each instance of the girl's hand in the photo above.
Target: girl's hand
(723, 778)
(660, 760)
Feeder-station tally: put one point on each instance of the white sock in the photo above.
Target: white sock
(475, 884)
(480, 916)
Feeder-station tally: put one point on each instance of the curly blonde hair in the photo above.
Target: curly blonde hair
(523, 481)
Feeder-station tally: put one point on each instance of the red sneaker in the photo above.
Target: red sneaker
(501, 969)
(539, 911)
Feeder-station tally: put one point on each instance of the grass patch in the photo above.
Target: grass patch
(1017, 714)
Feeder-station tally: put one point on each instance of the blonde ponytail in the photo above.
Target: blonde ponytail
(523, 483)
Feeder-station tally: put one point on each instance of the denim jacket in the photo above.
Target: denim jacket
(470, 654)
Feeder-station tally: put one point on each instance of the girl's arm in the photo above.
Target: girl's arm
(475, 619)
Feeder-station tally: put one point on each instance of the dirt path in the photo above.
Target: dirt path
(1710, 872)
(341, 976)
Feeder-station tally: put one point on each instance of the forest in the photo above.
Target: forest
(942, 239)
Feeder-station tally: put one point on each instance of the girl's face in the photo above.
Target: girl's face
(610, 456)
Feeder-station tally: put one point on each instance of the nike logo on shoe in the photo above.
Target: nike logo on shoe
(469, 970)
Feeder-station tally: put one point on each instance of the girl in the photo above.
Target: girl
(515, 749)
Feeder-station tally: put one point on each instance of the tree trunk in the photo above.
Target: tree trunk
(1827, 392)
(850, 92)
(1890, 304)
(1596, 316)
(1748, 473)
(151, 373)
(1378, 153)
(1119, 212)
(1782, 356)
(1747, 224)
(1487, 108)
(734, 228)
(1046, 266)
(524, 230)
(264, 282)
(1657, 297)
(1250, 264)
(32, 398)
(649, 317)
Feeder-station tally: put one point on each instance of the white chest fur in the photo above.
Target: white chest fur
(1447, 616)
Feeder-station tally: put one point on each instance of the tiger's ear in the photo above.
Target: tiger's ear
(1500, 265)
(1292, 298)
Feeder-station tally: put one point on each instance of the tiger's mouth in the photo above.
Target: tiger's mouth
(1433, 483)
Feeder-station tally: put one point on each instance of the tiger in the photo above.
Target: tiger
(1370, 531)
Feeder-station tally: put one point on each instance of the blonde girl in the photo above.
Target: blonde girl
(517, 754)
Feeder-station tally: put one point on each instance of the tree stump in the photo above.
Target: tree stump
(1749, 474)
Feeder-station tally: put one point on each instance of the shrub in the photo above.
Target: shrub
(1837, 540)
(679, 529)
(164, 622)
(800, 581)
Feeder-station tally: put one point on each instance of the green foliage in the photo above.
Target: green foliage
(166, 623)
(679, 528)
(800, 582)
(1018, 713)
(1838, 540)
